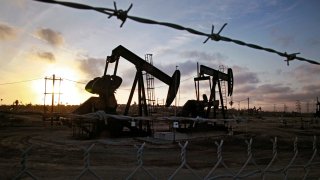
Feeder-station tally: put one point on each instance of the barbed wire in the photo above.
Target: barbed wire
(123, 16)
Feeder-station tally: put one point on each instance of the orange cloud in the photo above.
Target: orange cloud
(7, 32)
(46, 56)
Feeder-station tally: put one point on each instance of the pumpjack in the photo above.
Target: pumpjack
(202, 108)
(317, 114)
(106, 86)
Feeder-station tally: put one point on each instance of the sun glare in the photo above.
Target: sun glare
(64, 85)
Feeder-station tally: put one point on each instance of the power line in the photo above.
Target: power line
(187, 79)
(241, 100)
(17, 82)
(127, 89)
(29, 80)
(74, 81)
(123, 15)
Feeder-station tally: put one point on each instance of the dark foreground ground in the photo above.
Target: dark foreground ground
(55, 154)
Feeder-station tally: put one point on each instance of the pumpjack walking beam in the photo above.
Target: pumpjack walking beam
(217, 76)
(142, 65)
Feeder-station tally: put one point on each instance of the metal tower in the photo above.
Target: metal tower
(222, 68)
(150, 87)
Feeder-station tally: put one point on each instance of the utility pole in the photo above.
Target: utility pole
(53, 79)
(298, 106)
(52, 94)
(285, 108)
(248, 105)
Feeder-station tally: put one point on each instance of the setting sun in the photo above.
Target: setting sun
(65, 84)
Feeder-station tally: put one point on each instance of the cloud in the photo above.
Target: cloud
(188, 68)
(174, 43)
(244, 89)
(162, 51)
(306, 73)
(128, 76)
(42, 56)
(7, 32)
(242, 76)
(280, 94)
(92, 66)
(311, 88)
(52, 37)
(267, 93)
(202, 56)
(292, 97)
(272, 89)
(48, 56)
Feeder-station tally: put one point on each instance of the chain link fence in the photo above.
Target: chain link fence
(161, 163)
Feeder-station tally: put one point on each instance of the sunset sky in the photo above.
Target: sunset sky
(39, 39)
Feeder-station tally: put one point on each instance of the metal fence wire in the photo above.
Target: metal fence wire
(220, 170)
(123, 16)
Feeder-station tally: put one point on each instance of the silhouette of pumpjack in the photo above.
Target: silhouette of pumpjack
(106, 86)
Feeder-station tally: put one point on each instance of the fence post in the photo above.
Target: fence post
(87, 167)
(23, 162)
(140, 162)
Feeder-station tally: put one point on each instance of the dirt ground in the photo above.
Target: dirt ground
(55, 154)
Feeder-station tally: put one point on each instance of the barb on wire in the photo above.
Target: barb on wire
(213, 36)
(123, 15)
(290, 57)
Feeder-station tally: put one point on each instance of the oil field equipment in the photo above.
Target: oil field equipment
(106, 85)
(195, 108)
(317, 114)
